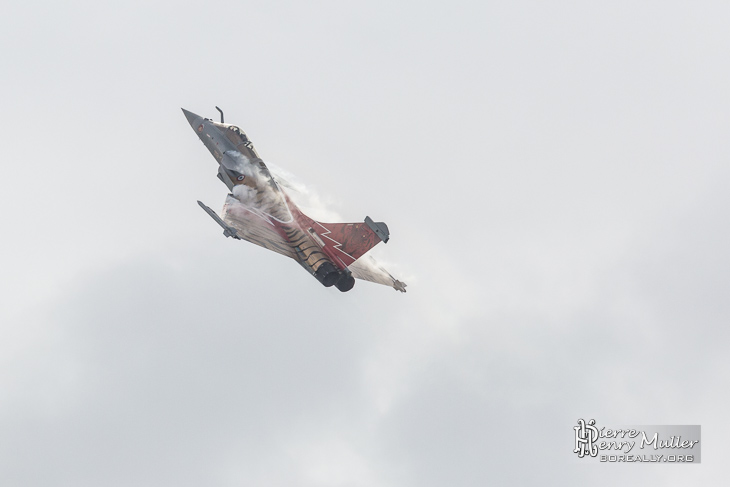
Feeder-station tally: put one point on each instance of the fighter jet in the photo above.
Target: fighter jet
(258, 210)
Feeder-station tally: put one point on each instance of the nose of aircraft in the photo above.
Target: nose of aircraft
(193, 119)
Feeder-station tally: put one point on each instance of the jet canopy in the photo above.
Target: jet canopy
(238, 137)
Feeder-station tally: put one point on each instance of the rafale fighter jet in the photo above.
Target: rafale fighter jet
(259, 211)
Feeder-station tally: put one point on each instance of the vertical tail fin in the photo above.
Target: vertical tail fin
(350, 241)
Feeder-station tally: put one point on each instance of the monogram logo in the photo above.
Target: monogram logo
(586, 434)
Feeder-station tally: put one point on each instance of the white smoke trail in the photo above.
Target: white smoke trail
(306, 198)
(245, 194)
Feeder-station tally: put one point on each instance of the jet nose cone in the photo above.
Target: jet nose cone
(193, 119)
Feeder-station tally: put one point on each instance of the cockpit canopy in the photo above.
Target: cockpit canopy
(238, 132)
(239, 138)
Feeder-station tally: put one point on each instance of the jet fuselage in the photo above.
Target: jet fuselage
(251, 183)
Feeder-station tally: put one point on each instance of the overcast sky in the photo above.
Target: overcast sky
(554, 176)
